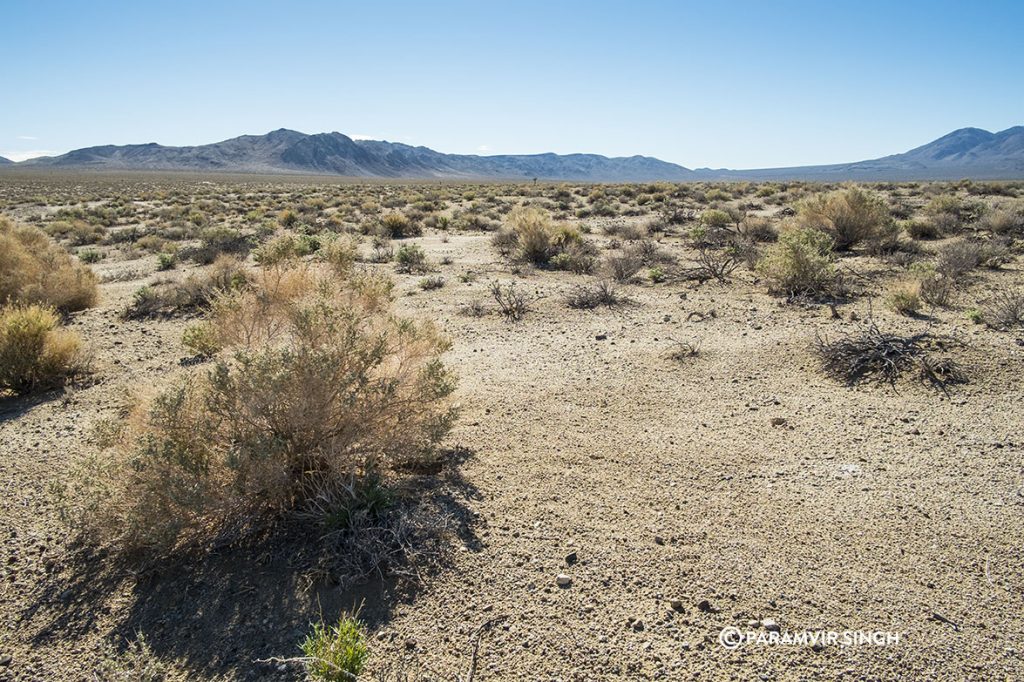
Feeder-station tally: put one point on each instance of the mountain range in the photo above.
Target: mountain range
(968, 152)
(5, 162)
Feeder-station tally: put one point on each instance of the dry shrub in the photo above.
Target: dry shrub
(591, 296)
(35, 351)
(34, 269)
(801, 263)
(758, 229)
(190, 296)
(530, 236)
(1007, 219)
(958, 259)
(849, 216)
(512, 303)
(1005, 311)
(316, 384)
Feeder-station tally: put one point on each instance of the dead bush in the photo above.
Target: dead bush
(169, 299)
(512, 303)
(36, 352)
(874, 354)
(316, 384)
(35, 270)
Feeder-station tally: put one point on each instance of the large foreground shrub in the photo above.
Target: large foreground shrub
(34, 269)
(315, 384)
(35, 351)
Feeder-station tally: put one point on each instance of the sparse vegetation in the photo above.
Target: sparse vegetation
(35, 270)
(36, 352)
(800, 264)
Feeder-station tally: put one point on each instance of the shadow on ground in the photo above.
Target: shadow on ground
(219, 612)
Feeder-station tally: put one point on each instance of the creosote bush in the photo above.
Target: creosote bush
(35, 351)
(315, 384)
(34, 269)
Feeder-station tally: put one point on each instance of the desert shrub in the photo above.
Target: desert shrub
(285, 247)
(431, 283)
(874, 354)
(166, 261)
(623, 267)
(215, 241)
(758, 229)
(315, 384)
(168, 299)
(512, 303)
(1006, 220)
(578, 257)
(335, 653)
(921, 229)
(715, 218)
(934, 287)
(36, 352)
(399, 226)
(904, 297)
(849, 216)
(90, 256)
(1004, 311)
(340, 254)
(411, 258)
(950, 213)
(715, 263)
(957, 259)
(534, 233)
(34, 269)
(801, 263)
(588, 296)
(886, 240)
(627, 231)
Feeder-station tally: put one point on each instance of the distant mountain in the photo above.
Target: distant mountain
(968, 152)
(288, 151)
(4, 162)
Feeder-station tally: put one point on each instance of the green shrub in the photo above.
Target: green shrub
(166, 261)
(399, 226)
(411, 258)
(801, 263)
(337, 653)
(35, 351)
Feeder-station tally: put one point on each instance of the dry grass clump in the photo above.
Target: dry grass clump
(34, 269)
(35, 351)
(512, 303)
(315, 384)
(800, 264)
(904, 297)
(874, 354)
(849, 216)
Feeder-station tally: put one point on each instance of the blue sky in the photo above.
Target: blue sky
(722, 84)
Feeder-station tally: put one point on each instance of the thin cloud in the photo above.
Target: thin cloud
(483, 148)
(24, 155)
(27, 137)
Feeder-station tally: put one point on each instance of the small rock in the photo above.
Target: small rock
(778, 421)
(563, 580)
(6, 660)
(601, 337)
(676, 604)
(770, 625)
(658, 540)
(571, 558)
(705, 606)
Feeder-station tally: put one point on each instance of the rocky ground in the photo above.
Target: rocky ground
(619, 507)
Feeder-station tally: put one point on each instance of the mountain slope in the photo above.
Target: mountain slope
(4, 162)
(336, 154)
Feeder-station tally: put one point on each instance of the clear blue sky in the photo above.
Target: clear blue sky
(723, 84)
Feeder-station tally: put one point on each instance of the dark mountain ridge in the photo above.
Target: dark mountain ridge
(968, 152)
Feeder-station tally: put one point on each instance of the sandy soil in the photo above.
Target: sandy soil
(680, 498)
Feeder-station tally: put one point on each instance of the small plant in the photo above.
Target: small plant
(680, 351)
(512, 303)
(136, 663)
(35, 270)
(474, 308)
(656, 275)
(399, 226)
(166, 261)
(35, 351)
(905, 297)
(431, 283)
(335, 653)
(591, 296)
(411, 258)
(90, 256)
